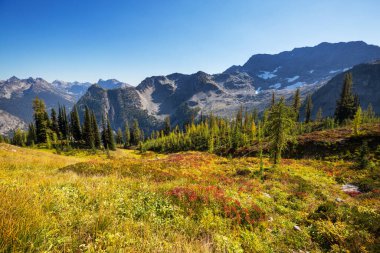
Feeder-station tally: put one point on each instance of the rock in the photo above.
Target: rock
(297, 228)
(339, 200)
(270, 219)
(267, 195)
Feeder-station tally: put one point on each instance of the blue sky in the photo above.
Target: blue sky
(85, 40)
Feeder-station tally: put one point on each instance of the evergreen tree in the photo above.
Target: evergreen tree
(297, 104)
(167, 126)
(95, 130)
(18, 138)
(280, 125)
(319, 115)
(32, 136)
(76, 130)
(136, 133)
(111, 140)
(104, 133)
(119, 136)
(87, 130)
(357, 121)
(347, 104)
(273, 100)
(309, 108)
(41, 120)
(369, 113)
(127, 135)
(54, 121)
(63, 124)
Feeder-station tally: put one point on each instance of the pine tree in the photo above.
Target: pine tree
(363, 159)
(95, 130)
(87, 130)
(127, 135)
(136, 133)
(297, 104)
(357, 121)
(63, 124)
(167, 126)
(369, 113)
(40, 119)
(104, 133)
(18, 138)
(32, 136)
(119, 136)
(111, 140)
(309, 108)
(273, 100)
(75, 127)
(54, 121)
(348, 103)
(280, 125)
(319, 115)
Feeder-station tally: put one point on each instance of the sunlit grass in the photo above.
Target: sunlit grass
(187, 202)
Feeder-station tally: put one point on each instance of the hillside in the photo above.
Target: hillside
(181, 202)
(250, 85)
(366, 83)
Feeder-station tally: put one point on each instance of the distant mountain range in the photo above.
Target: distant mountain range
(179, 95)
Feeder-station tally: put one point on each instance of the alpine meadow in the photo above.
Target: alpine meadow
(279, 154)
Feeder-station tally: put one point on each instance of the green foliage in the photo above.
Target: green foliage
(309, 108)
(41, 120)
(297, 104)
(280, 125)
(75, 126)
(348, 103)
(88, 133)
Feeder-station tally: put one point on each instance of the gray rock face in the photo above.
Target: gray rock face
(16, 96)
(9, 122)
(250, 85)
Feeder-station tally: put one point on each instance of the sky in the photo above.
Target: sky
(84, 40)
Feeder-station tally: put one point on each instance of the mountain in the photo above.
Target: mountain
(16, 96)
(251, 85)
(112, 84)
(76, 89)
(307, 65)
(120, 105)
(366, 83)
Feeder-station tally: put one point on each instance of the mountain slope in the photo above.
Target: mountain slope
(16, 96)
(250, 85)
(366, 83)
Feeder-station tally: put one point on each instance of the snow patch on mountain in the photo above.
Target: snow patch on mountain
(275, 86)
(292, 79)
(335, 71)
(295, 85)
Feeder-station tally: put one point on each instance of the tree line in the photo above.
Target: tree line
(277, 126)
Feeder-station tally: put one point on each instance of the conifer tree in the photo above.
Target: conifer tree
(119, 136)
(357, 120)
(369, 113)
(95, 130)
(40, 119)
(54, 121)
(273, 100)
(104, 133)
(319, 115)
(167, 126)
(87, 130)
(348, 103)
(297, 104)
(127, 135)
(18, 138)
(309, 108)
(63, 124)
(76, 130)
(136, 133)
(280, 125)
(32, 136)
(111, 140)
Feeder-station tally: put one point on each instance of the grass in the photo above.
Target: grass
(184, 202)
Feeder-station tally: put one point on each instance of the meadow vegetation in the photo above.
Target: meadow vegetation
(127, 201)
